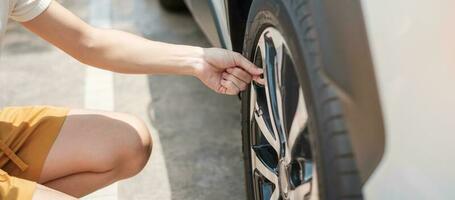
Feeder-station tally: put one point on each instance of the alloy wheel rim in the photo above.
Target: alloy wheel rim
(281, 159)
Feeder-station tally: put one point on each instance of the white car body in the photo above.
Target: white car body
(413, 50)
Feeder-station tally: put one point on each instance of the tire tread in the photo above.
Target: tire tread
(338, 136)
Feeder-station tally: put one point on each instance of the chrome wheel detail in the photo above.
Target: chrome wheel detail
(281, 159)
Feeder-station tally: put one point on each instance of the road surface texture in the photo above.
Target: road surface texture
(197, 143)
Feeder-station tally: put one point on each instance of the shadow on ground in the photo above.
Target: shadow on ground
(199, 129)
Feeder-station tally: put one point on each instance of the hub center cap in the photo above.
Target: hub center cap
(283, 178)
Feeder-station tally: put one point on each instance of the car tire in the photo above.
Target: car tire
(173, 5)
(331, 151)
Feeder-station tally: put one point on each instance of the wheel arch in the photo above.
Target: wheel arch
(238, 14)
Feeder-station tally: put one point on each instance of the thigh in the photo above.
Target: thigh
(93, 141)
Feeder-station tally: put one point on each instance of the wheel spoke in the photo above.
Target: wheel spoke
(253, 100)
(264, 125)
(265, 171)
(278, 76)
(270, 88)
(299, 121)
(266, 132)
(300, 191)
(265, 50)
(275, 194)
(261, 49)
(308, 189)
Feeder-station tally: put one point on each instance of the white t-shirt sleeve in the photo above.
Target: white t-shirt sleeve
(25, 10)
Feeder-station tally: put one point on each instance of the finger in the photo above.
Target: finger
(238, 83)
(240, 74)
(231, 89)
(235, 82)
(246, 64)
(259, 80)
(222, 89)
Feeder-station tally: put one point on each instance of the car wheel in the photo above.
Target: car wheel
(295, 143)
(173, 5)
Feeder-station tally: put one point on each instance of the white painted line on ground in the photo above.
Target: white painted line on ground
(99, 86)
(99, 89)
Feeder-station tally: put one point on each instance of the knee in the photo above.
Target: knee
(137, 147)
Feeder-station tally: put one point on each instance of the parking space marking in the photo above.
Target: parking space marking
(99, 86)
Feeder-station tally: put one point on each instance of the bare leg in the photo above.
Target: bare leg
(95, 149)
(77, 183)
(44, 193)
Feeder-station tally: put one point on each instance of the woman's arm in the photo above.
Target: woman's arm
(222, 70)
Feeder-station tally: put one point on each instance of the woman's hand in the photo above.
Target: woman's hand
(226, 72)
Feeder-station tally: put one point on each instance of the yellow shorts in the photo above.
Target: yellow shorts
(26, 136)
